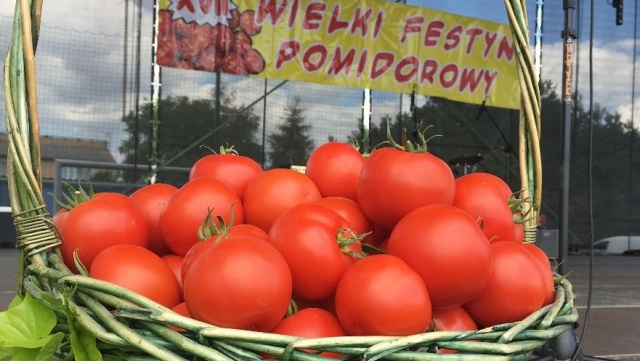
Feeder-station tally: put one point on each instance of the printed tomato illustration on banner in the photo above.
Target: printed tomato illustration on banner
(208, 35)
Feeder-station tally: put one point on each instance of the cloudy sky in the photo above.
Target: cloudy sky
(82, 91)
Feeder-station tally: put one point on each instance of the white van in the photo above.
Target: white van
(617, 245)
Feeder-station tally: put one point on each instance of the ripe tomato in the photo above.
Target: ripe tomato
(392, 183)
(486, 178)
(382, 295)
(185, 212)
(241, 282)
(453, 319)
(547, 272)
(234, 170)
(139, 270)
(447, 248)
(307, 236)
(335, 168)
(484, 202)
(151, 198)
(351, 211)
(275, 191)
(175, 264)
(311, 323)
(181, 309)
(105, 220)
(515, 289)
(245, 229)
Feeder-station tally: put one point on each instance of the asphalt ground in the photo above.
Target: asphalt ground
(612, 326)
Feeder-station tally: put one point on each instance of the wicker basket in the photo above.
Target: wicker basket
(95, 319)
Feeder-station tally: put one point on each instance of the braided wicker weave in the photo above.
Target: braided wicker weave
(89, 328)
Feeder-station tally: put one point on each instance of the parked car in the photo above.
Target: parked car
(618, 245)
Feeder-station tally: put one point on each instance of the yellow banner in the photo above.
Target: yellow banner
(363, 44)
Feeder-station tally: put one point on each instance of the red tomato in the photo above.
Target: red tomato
(181, 309)
(242, 282)
(447, 248)
(203, 245)
(274, 192)
(175, 264)
(515, 289)
(351, 211)
(311, 323)
(382, 295)
(234, 170)
(335, 168)
(484, 202)
(152, 198)
(308, 238)
(139, 270)
(486, 178)
(185, 212)
(245, 229)
(392, 183)
(547, 272)
(106, 220)
(453, 319)
(518, 232)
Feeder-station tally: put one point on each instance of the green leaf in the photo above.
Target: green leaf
(47, 351)
(26, 325)
(83, 344)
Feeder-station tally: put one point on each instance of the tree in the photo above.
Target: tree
(291, 143)
(183, 124)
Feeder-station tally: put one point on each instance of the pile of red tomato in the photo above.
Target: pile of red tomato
(388, 244)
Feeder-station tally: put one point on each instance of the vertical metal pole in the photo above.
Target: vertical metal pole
(216, 118)
(366, 120)
(264, 123)
(568, 34)
(154, 157)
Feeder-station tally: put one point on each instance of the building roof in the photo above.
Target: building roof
(67, 148)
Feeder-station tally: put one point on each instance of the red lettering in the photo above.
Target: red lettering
(362, 62)
(335, 23)
(449, 75)
(188, 4)
(314, 57)
(412, 24)
(411, 62)
(434, 31)
(429, 69)
(313, 16)
(360, 21)
(505, 48)
(293, 13)
(338, 63)
(270, 9)
(452, 39)
(489, 78)
(287, 52)
(472, 33)
(381, 63)
(489, 39)
(378, 26)
(470, 79)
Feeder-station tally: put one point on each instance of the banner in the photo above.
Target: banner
(362, 43)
